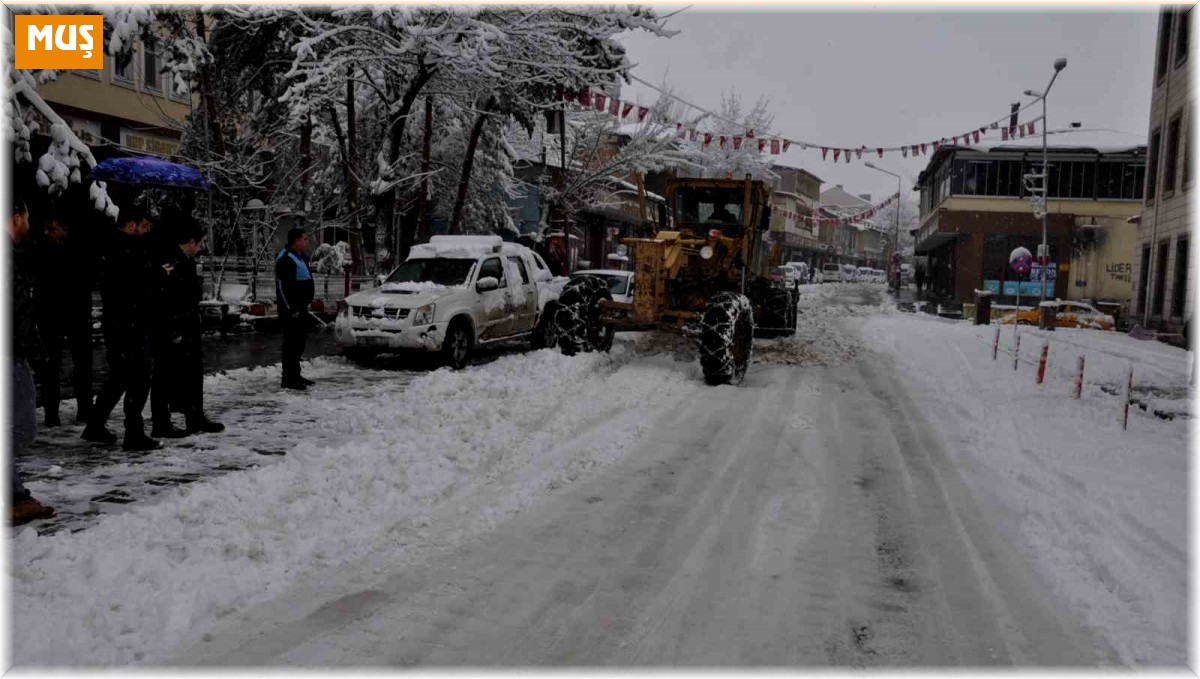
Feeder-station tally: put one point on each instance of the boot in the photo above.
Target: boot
(138, 441)
(166, 430)
(52, 419)
(27, 509)
(293, 383)
(98, 433)
(203, 425)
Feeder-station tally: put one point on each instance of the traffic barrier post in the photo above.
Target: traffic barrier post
(1042, 363)
(1079, 379)
(996, 343)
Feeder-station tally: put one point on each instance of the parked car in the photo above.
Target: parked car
(1070, 315)
(866, 274)
(784, 277)
(880, 276)
(452, 294)
(620, 283)
(801, 270)
(831, 273)
(849, 273)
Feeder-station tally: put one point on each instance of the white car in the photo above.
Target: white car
(801, 270)
(784, 277)
(866, 274)
(849, 273)
(451, 295)
(831, 273)
(620, 283)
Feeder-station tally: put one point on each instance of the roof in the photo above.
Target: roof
(605, 272)
(1103, 146)
(838, 197)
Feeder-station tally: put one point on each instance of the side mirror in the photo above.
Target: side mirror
(764, 222)
(381, 279)
(487, 283)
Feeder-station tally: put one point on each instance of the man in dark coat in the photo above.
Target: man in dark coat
(179, 361)
(293, 293)
(62, 293)
(129, 287)
(25, 347)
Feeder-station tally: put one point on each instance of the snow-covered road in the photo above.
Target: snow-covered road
(836, 509)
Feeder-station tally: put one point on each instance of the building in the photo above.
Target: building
(860, 244)
(975, 210)
(1161, 267)
(796, 192)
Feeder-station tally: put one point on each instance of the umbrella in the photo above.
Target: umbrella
(149, 172)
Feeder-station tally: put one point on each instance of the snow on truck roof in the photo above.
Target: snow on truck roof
(464, 247)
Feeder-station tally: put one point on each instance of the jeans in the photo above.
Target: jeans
(22, 428)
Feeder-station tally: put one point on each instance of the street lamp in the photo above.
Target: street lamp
(896, 235)
(1044, 249)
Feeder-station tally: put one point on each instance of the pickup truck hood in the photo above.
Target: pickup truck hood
(379, 297)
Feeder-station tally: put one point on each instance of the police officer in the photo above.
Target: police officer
(293, 294)
(129, 287)
(178, 382)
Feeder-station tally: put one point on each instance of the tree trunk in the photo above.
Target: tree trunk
(306, 130)
(353, 204)
(208, 92)
(397, 123)
(468, 162)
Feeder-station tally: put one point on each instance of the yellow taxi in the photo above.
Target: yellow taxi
(1070, 315)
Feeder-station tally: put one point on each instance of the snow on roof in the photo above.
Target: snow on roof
(463, 247)
(603, 272)
(633, 187)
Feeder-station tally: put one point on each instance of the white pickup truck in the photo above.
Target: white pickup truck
(452, 294)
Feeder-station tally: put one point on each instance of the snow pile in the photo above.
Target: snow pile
(414, 287)
(479, 443)
(331, 259)
(462, 247)
(815, 341)
(1100, 511)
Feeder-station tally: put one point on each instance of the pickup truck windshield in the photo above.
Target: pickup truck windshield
(438, 270)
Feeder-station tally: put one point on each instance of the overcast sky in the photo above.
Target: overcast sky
(884, 77)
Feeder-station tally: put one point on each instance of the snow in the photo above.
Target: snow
(485, 442)
(420, 286)
(463, 247)
(1100, 511)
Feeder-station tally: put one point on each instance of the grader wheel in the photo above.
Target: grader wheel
(578, 317)
(726, 339)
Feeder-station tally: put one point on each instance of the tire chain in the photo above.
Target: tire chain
(572, 315)
(733, 306)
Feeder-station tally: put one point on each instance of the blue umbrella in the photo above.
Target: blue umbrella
(148, 171)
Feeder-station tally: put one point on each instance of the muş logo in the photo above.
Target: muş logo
(59, 41)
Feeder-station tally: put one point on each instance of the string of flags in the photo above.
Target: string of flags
(589, 99)
(852, 219)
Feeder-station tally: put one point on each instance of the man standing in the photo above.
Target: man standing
(179, 373)
(62, 292)
(293, 294)
(25, 347)
(128, 288)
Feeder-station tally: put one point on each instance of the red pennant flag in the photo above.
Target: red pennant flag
(598, 101)
(823, 152)
(749, 134)
(922, 149)
(1022, 131)
(977, 137)
(879, 151)
(837, 153)
(707, 138)
(642, 111)
(1004, 134)
(858, 153)
(787, 143)
(774, 147)
(1031, 129)
(678, 129)
(916, 150)
(614, 106)
(847, 155)
(722, 141)
(585, 97)
(568, 95)
(737, 143)
(983, 130)
(904, 151)
(762, 144)
(626, 109)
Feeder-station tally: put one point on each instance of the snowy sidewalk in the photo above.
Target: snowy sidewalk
(1101, 511)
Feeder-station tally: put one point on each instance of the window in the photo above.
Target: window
(1187, 149)
(1179, 286)
(1160, 278)
(1144, 279)
(151, 77)
(1182, 37)
(1164, 44)
(492, 267)
(1172, 155)
(1152, 166)
(123, 69)
(1119, 180)
(94, 74)
(520, 267)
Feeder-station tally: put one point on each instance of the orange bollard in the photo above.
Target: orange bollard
(1017, 352)
(1079, 379)
(1042, 362)
(1128, 391)
(996, 343)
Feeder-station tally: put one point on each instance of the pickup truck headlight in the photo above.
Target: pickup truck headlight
(423, 315)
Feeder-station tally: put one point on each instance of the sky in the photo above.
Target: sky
(854, 76)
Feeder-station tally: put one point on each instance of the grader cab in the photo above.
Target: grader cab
(705, 278)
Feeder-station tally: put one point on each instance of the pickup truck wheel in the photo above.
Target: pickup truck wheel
(545, 333)
(578, 317)
(456, 348)
(726, 338)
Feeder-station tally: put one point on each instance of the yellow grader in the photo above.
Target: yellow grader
(703, 279)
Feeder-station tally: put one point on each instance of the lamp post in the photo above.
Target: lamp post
(1044, 249)
(896, 234)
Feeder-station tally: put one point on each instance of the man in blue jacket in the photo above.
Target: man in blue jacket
(293, 294)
